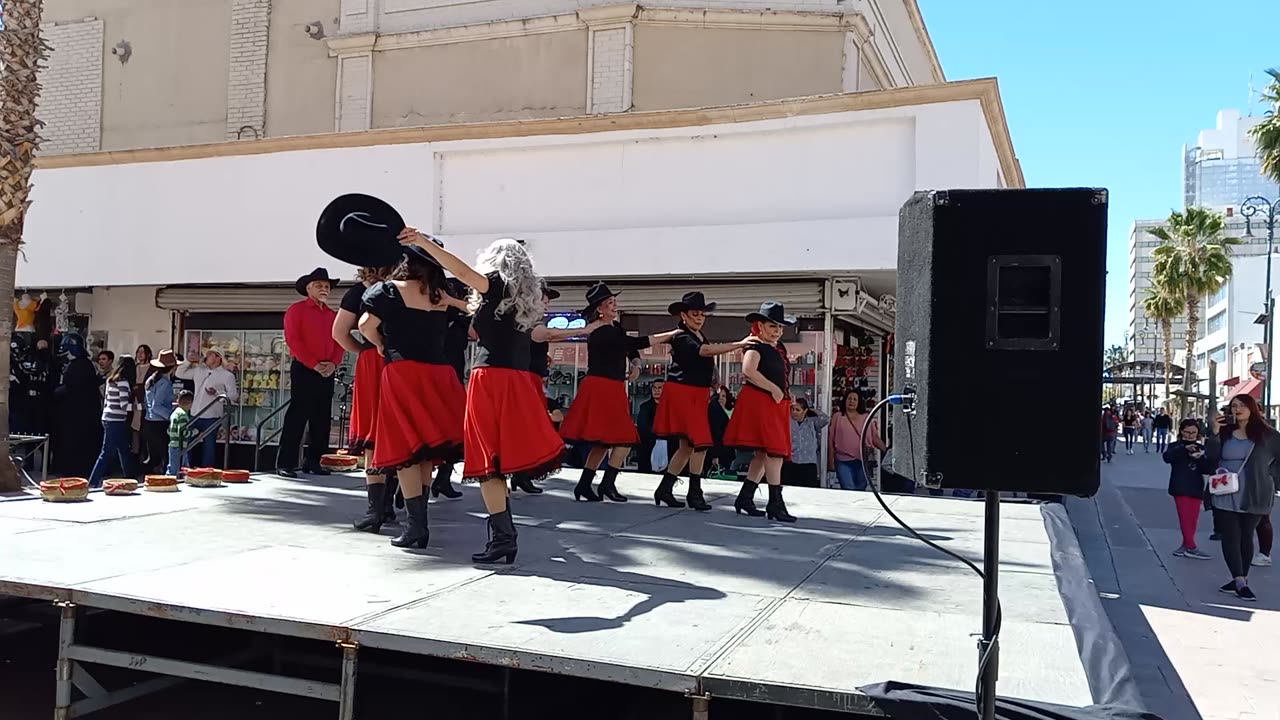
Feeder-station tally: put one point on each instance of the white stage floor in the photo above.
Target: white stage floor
(712, 602)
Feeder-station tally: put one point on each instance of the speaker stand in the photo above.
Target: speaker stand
(990, 603)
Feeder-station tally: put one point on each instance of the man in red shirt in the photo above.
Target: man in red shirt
(308, 331)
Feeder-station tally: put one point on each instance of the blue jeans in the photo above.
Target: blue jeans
(115, 446)
(851, 475)
(175, 461)
(209, 445)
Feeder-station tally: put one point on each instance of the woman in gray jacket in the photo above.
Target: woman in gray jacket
(1249, 447)
(806, 434)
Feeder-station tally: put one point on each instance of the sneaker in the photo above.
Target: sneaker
(1181, 551)
(1245, 593)
(1229, 588)
(1260, 560)
(1197, 554)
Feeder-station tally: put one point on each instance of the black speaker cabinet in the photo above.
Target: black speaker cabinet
(999, 329)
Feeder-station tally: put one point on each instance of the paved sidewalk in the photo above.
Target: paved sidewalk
(1195, 653)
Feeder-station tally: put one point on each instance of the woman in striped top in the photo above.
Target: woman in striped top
(115, 423)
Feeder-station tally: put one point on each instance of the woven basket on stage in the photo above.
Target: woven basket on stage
(339, 462)
(120, 486)
(64, 490)
(235, 476)
(204, 477)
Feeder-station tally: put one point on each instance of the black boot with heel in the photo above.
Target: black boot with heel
(694, 496)
(583, 491)
(441, 484)
(520, 481)
(502, 540)
(373, 517)
(663, 494)
(746, 502)
(388, 503)
(609, 485)
(416, 532)
(777, 509)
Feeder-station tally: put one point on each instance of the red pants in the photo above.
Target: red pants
(1188, 517)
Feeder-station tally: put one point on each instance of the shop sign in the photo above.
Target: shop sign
(1258, 371)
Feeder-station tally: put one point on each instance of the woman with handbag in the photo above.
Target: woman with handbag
(847, 442)
(1242, 489)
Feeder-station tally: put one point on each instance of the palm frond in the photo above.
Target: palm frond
(1266, 134)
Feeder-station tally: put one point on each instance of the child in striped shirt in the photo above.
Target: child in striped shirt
(179, 431)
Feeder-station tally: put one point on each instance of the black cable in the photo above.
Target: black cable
(987, 655)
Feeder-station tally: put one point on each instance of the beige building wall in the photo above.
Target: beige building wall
(680, 67)
(534, 76)
(301, 76)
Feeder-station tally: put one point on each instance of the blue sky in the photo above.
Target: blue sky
(1106, 93)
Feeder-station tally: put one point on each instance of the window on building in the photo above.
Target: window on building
(1217, 297)
(1219, 354)
(1216, 323)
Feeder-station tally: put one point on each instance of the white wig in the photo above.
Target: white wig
(511, 261)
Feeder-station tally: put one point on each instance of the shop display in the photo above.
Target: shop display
(235, 476)
(339, 462)
(160, 483)
(64, 490)
(120, 486)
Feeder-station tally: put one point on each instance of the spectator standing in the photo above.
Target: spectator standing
(161, 401)
(106, 360)
(210, 380)
(644, 424)
(807, 427)
(142, 358)
(79, 430)
(115, 423)
(308, 331)
(1188, 464)
(1130, 422)
(1162, 424)
(179, 432)
(719, 410)
(847, 431)
(1147, 425)
(1110, 426)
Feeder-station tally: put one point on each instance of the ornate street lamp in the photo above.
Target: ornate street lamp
(1251, 207)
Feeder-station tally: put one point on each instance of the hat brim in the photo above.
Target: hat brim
(305, 280)
(420, 254)
(157, 364)
(553, 294)
(676, 308)
(371, 242)
(587, 310)
(787, 320)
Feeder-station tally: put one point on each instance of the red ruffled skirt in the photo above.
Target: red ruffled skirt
(506, 428)
(759, 423)
(682, 413)
(600, 415)
(364, 401)
(420, 416)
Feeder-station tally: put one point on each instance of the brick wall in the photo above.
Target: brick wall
(247, 78)
(71, 96)
(610, 71)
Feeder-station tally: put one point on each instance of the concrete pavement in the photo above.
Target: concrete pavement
(1196, 654)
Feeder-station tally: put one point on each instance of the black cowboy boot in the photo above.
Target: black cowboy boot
(664, 495)
(746, 502)
(393, 489)
(502, 540)
(388, 508)
(609, 485)
(777, 509)
(442, 486)
(372, 520)
(694, 496)
(583, 491)
(416, 532)
(521, 481)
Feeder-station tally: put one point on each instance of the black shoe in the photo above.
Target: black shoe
(442, 486)
(583, 491)
(416, 532)
(664, 495)
(609, 485)
(317, 471)
(389, 518)
(777, 509)
(746, 502)
(694, 496)
(502, 540)
(525, 483)
(291, 474)
(1245, 593)
(373, 517)
(1229, 588)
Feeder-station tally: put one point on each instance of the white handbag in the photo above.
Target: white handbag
(1225, 482)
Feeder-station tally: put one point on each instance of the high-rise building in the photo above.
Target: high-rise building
(1223, 167)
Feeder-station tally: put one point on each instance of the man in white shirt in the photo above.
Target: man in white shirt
(211, 379)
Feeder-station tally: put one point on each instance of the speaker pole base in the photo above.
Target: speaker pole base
(990, 604)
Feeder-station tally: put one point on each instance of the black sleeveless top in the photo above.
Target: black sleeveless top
(353, 302)
(501, 343)
(608, 350)
(407, 333)
(539, 359)
(773, 365)
(687, 366)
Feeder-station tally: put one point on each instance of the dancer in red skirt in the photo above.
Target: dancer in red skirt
(502, 436)
(761, 420)
(420, 411)
(600, 415)
(364, 397)
(682, 410)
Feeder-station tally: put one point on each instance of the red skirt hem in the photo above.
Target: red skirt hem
(682, 415)
(600, 415)
(436, 455)
(420, 416)
(760, 424)
(507, 429)
(365, 396)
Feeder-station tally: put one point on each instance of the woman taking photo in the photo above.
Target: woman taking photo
(761, 419)
(600, 415)
(502, 395)
(160, 401)
(1250, 448)
(719, 411)
(847, 431)
(806, 437)
(1188, 465)
(421, 402)
(115, 423)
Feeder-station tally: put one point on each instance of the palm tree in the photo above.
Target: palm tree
(1193, 261)
(1266, 134)
(22, 53)
(1164, 307)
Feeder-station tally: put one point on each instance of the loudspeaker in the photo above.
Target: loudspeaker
(1001, 295)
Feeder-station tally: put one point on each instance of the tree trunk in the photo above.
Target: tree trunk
(22, 52)
(1166, 329)
(1193, 320)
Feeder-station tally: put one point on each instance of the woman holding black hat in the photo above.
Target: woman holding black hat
(682, 410)
(502, 394)
(421, 406)
(600, 415)
(761, 420)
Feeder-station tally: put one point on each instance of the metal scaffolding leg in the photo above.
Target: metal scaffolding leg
(701, 706)
(347, 690)
(66, 638)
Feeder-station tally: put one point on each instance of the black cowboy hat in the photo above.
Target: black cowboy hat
(771, 311)
(360, 230)
(550, 291)
(420, 253)
(596, 294)
(691, 301)
(319, 274)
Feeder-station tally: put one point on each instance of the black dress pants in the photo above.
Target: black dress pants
(1237, 530)
(310, 407)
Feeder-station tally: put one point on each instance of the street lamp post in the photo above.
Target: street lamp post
(1253, 206)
